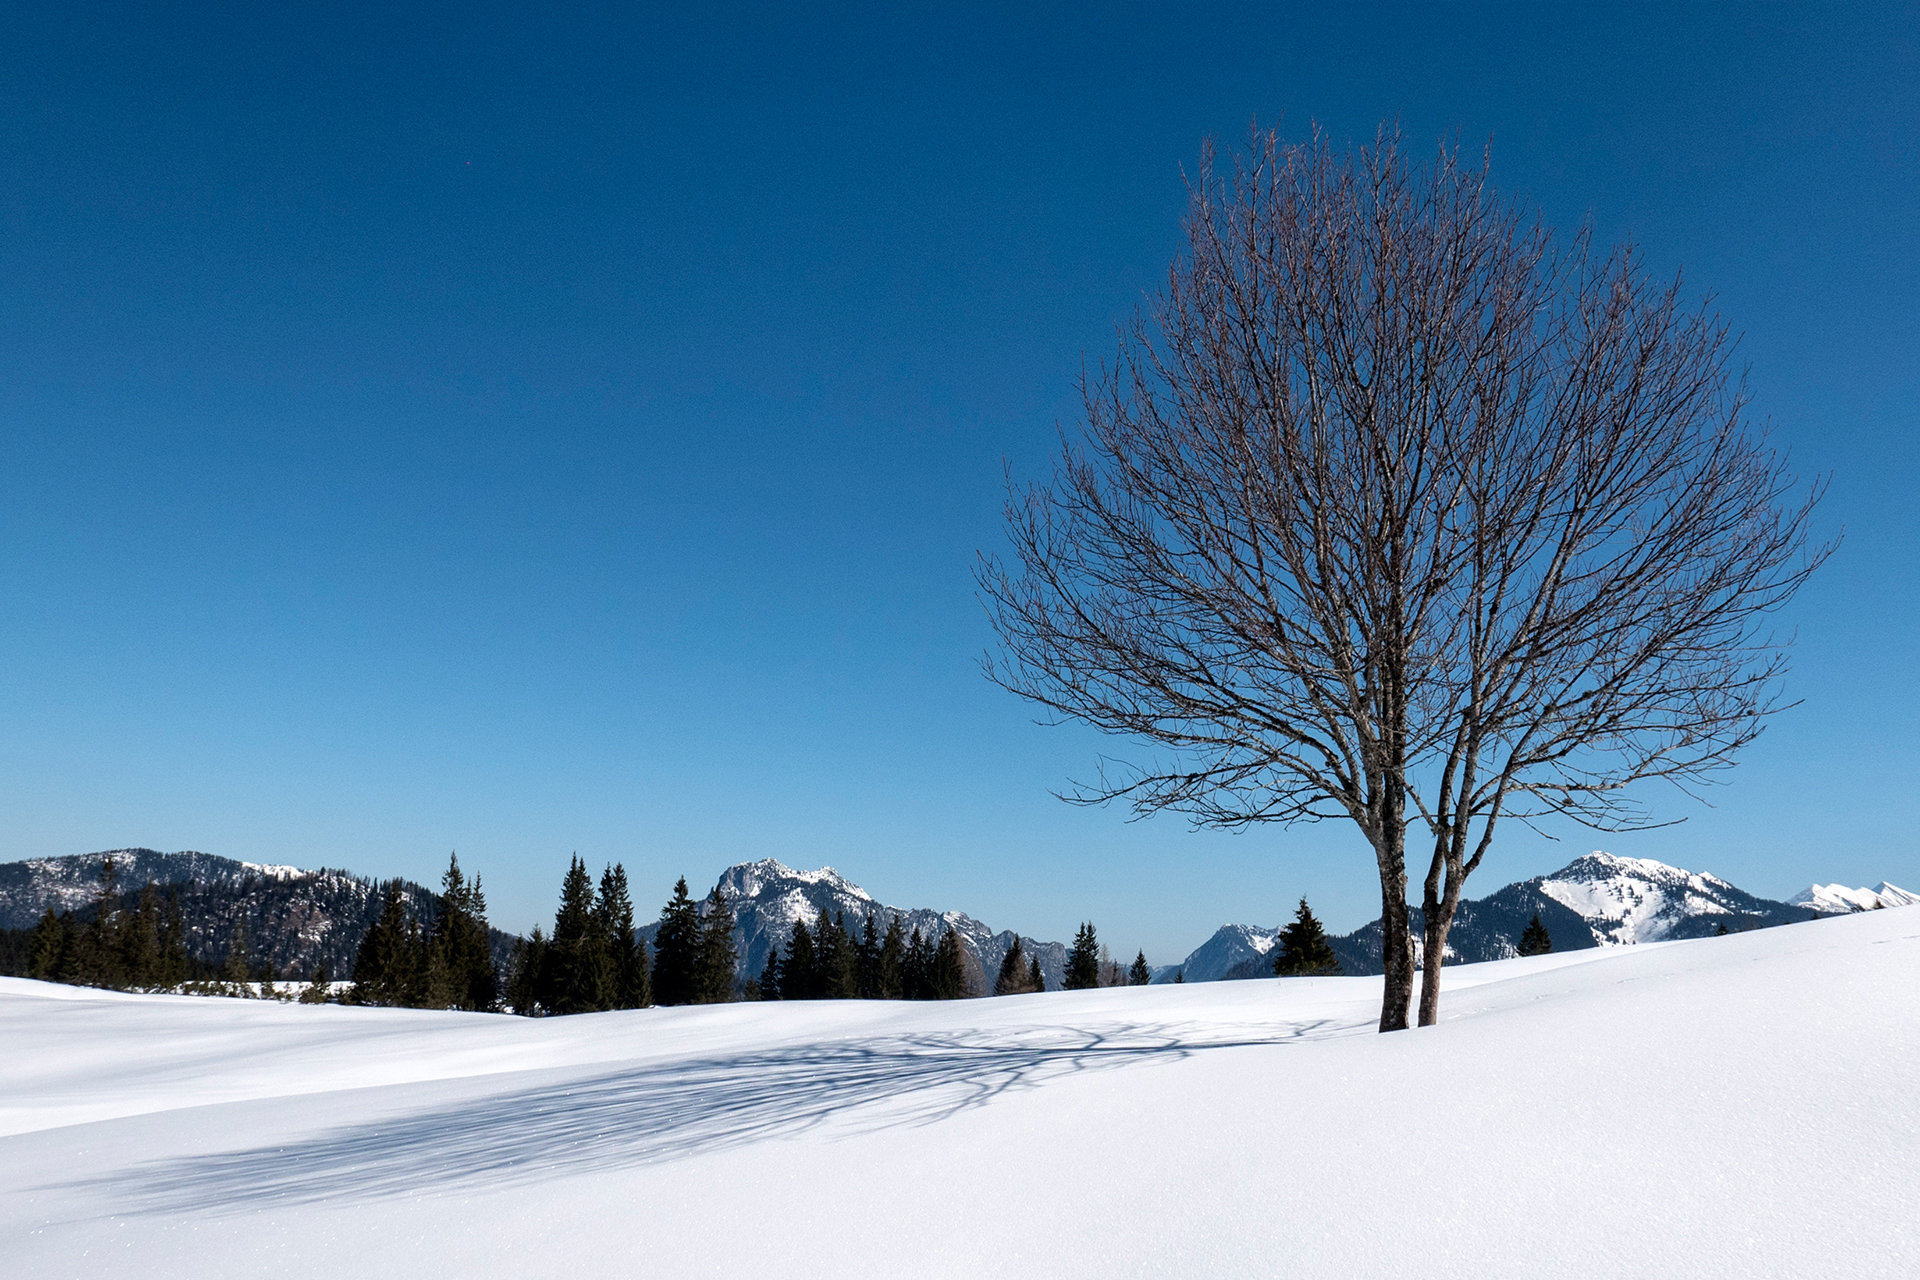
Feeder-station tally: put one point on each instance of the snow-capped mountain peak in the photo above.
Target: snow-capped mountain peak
(1838, 899)
(1629, 900)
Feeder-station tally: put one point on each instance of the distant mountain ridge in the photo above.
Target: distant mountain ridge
(297, 919)
(1597, 900)
(768, 897)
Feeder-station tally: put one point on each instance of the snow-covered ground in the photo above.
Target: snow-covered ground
(1738, 1106)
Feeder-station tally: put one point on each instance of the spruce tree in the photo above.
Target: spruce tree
(1012, 979)
(886, 969)
(800, 971)
(839, 972)
(1083, 960)
(237, 969)
(463, 974)
(386, 966)
(98, 959)
(1534, 939)
(1036, 981)
(768, 985)
(578, 976)
(867, 961)
(140, 941)
(719, 960)
(317, 992)
(174, 965)
(523, 982)
(916, 968)
(676, 949)
(948, 978)
(632, 985)
(1304, 950)
(1139, 975)
(48, 948)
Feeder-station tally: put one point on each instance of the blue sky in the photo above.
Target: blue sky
(528, 433)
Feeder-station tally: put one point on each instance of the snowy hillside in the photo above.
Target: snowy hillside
(1738, 1106)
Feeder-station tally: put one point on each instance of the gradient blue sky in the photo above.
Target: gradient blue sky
(528, 432)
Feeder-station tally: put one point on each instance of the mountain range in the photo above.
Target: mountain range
(301, 919)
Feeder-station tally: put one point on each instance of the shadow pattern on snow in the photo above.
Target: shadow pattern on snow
(661, 1111)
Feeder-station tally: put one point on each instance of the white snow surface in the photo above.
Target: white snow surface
(1838, 898)
(1734, 1106)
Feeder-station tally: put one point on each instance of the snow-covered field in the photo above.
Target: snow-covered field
(1738, 1106)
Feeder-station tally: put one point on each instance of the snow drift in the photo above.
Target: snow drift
(1734, 1106)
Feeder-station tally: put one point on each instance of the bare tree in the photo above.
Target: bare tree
(1395, 509)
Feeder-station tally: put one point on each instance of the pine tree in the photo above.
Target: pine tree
(632, 985)
(1083, 960)
(174, 966)
(97, 959)
(676, 949)
(523, 983)
(578, 975)
(800, 971)
(1534, 939)
(462, 974)
(49, 947)
(1036, 981)
(386, 966)
(768, 985)
(948, 978)
(1013, 979)
(867, 961)
(1139, 975)
(886, 969)
(916, 968)
(237, 970)
(839, 973)
(140, 940)
(1304, 950)
(719, 961)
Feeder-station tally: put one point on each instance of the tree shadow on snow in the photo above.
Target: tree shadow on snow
(655, 1112)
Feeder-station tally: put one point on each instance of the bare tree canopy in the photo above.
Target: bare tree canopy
(1396, 509)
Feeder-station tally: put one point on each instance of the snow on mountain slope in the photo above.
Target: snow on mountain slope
(1737, 1106)
(1838, 899)
(1630, 900)
(1232, 946)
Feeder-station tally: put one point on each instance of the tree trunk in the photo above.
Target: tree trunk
(1438, 917)
(1396, 950)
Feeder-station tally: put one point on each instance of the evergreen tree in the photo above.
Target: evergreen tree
(1302, 946)
(140, 940)
(676, 949)
(174, 966)
(49, 947)
(768, 985)
(317, 991)
(523, 983)
(1304, 950)
(1036, 981)
(1013, 979)
(1083, 960)
(578, 975)
(800, 971)
(1534, 939)
(867, 961)
(719, 961)
(1139, 975)
(632, 985)
(1719, 931)
(385, 968)
(947, 979)
(97, 959)
(1179, 975)
(886, 967)
(237, 969)
(839, 972)
(916, 968)
(462, 974)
